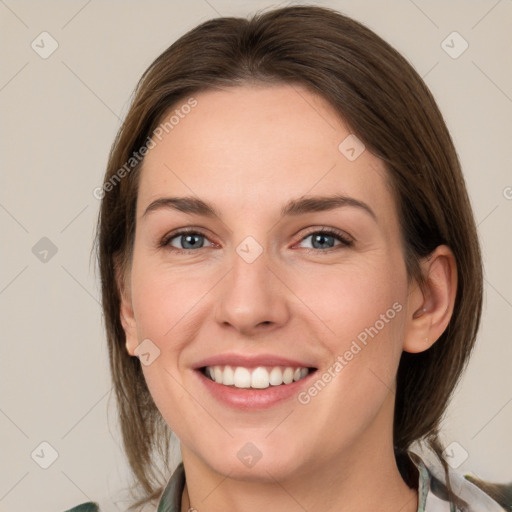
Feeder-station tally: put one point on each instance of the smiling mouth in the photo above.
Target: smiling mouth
(261, 377)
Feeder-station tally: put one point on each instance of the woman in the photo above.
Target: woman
(291, 274)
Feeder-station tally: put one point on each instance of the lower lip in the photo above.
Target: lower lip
(253, 399)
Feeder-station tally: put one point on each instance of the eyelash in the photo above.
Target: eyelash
(338, 235)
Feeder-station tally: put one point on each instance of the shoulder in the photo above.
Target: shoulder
(474, 497)
(501, 493)
(85, 507)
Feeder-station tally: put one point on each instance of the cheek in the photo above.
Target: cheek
(165, 305)
(355, 301)
(361, 311)
(365, 315)
(165, 302)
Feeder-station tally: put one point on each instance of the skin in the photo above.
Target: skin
(248, 150)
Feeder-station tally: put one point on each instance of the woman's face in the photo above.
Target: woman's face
(254, 288)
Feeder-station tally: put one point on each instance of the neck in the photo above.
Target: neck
(321, 492)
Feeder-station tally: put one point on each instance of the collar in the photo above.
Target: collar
(170, 500)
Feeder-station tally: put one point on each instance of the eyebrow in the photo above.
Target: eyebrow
(295, 207)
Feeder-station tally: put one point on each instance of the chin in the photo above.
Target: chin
(258, 461)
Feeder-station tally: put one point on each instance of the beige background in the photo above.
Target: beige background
(59, 116)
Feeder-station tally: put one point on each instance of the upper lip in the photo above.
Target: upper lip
(251, 361)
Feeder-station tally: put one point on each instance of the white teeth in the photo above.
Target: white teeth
(217, 373)
(241, 378)
(288, 376)
(276, 376)
(228, 378)
(258, 378)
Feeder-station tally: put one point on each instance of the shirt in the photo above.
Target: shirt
(431, 492)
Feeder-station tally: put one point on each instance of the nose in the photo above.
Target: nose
(251, 299)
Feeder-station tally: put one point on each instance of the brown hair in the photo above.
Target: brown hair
(389, 107)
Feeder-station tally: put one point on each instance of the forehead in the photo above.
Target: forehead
(256, 146)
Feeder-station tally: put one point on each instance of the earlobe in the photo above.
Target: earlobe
(430, 306)
(129, 326)
(126, 313)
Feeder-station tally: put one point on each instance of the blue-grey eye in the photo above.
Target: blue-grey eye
(325, 240)
(187, 241)
(320, 241)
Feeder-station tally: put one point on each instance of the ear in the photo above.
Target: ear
(430, 307)
(126, 310)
